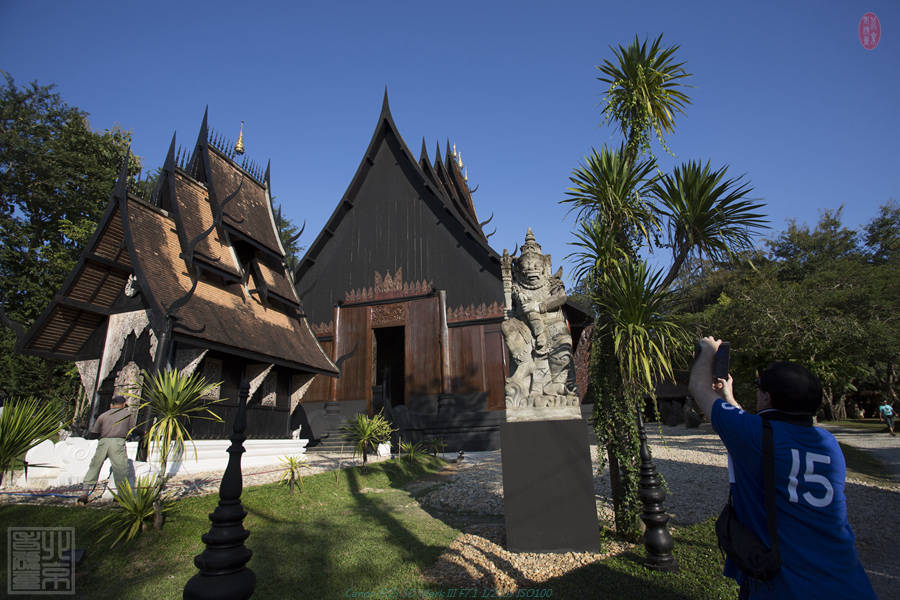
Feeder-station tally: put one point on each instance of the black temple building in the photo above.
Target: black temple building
(405, 293)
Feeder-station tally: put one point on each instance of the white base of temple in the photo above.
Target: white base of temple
(66, 462)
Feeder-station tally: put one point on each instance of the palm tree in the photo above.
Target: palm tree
(644, 92)
(173, 399)
(707, 213)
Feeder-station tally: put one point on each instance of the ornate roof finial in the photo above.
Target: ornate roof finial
(239, 144)
(459, 160)
(454, 149)
(466, 174)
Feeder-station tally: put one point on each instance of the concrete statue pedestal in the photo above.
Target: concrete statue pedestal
(548, 487)
(548, 483)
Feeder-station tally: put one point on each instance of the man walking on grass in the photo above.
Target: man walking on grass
(112, 428)
(887, 415)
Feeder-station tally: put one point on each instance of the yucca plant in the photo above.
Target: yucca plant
(366, 433)
(708, 213)
(24, 423)
(137, 506)
(436, 446)
(644, 337)
(292, 470)
(173, 399)
(645, 92)
(411, 451)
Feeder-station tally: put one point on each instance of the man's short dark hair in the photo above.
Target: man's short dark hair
(117, 400)
(793, 388)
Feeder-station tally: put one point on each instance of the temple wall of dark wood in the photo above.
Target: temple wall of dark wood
(423, 349)
(319, 389)
(478, 362)
(497, 366)
(394, 224)
(356, 374)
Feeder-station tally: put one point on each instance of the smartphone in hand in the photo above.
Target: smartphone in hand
(721, 359)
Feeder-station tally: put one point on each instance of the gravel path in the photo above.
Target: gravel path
(692, 461)
(694, 465)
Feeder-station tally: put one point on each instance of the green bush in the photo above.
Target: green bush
(367, 432)
(137, 504)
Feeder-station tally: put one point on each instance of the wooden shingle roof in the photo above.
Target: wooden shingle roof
(249, 309)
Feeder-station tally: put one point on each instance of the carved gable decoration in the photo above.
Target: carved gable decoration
(388, 287)
(389, 315)
(474, 313)
(322, 329)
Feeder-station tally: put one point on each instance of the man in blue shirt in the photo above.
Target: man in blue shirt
(818, 554)
(887, 415)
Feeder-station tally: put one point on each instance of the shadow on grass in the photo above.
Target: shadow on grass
(353, 543)
(134, 570)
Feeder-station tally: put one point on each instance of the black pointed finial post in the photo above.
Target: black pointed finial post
(223, 572)
(657, 539)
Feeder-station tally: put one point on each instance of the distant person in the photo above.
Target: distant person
(815, 541)
(112, 428)
(887, 415)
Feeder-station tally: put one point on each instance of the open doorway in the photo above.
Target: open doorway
(389, 362)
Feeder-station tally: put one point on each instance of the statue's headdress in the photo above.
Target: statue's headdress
(530, 246)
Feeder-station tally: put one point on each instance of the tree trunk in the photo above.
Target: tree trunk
(828, 404)
(615, 483)
(840, 409)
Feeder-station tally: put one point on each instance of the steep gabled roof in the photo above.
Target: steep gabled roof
(138, 239)
(218, 316)
(69, 328)
(436, 181)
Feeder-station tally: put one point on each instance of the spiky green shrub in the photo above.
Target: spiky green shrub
(173, 399)
(435, 446)
(24, 424)
(292, 470)
(137, 507)
(412, 452)
(366, 433)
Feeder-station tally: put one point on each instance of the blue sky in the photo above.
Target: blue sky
(784, 92)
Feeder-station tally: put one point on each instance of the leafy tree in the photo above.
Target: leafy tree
(624, 206)
(819, 297)
(55, 179)
(290, 234)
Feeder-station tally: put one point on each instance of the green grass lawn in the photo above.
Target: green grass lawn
(355, 532)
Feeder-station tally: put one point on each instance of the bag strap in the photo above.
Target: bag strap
(768, 452)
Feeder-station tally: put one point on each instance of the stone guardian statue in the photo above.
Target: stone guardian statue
(541, 384)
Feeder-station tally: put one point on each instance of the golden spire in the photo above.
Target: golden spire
(239, 144)
(466, 174)
(459, 160)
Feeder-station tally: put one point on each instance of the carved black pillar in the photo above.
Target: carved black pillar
(223, 574)
(657, 539)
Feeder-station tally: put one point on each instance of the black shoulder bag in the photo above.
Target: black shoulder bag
(738, 542)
